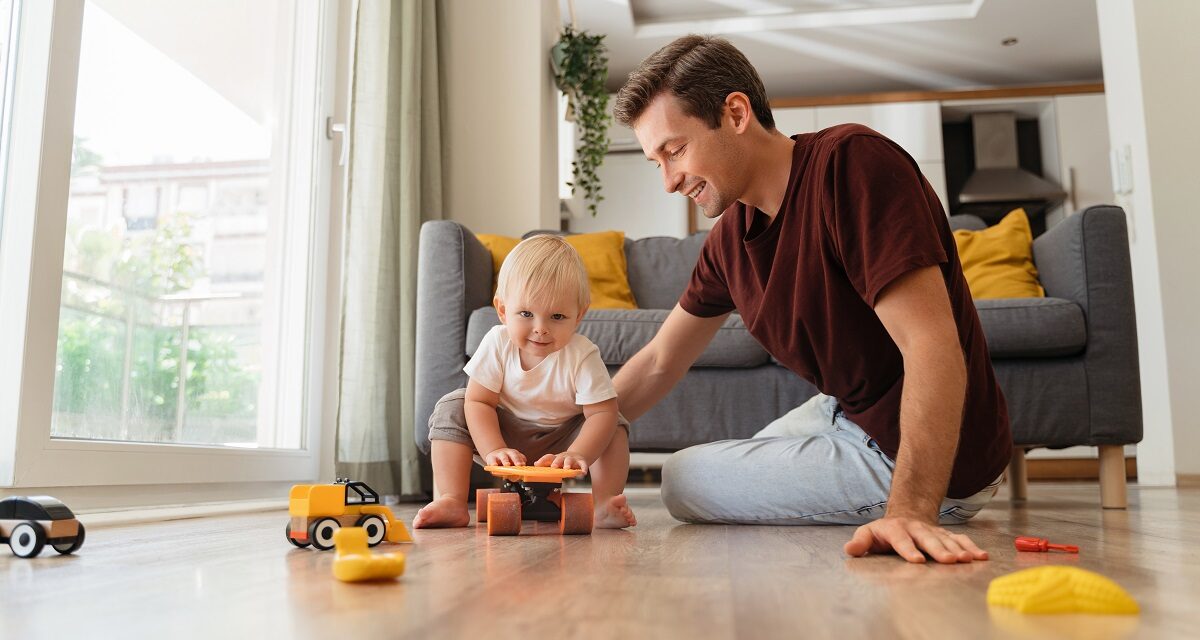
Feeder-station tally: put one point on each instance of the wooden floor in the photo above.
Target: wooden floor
(236, 576)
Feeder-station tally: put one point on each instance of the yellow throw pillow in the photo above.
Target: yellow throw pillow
(499, 247)
(603, 255)
(998, 261)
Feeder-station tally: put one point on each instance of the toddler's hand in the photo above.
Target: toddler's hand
(505, 458)
(564, 460)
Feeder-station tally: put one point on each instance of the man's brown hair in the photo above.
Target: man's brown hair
(701, 71)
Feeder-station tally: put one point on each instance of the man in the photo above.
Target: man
(840, 260)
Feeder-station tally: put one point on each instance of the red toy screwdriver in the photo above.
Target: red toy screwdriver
(1030, 543)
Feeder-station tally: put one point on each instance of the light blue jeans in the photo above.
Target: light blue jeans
(811, 466)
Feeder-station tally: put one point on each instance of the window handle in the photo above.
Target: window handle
(341, 129)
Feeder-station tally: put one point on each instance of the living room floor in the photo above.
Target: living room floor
(236, 576)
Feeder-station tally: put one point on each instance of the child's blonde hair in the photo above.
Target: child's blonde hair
(543, 268)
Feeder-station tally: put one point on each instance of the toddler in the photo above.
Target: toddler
(536, 391)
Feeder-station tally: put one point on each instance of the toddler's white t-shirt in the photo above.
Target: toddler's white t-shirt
(550, 393)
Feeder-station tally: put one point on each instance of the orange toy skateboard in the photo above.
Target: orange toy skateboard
(533, 493)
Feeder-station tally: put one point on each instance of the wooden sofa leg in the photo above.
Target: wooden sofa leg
(1018, 477)
(1112, 476)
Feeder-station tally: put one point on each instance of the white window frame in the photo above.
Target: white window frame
(31, 266)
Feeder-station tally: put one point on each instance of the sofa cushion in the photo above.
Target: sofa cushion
(659, 268)
(602, 254)
(998, 261)
(1032, 327)
(620, 333)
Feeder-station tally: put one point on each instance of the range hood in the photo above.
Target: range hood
(997, 177)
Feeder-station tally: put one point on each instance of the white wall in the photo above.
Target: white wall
(500, 136)
(1151, 99)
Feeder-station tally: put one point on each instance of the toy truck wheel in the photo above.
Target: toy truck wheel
(481, 503)
(320, 533)
(504, 514)
(375, 527)
(72, 546)
(577, 512)
(27, 540)
(288, 532)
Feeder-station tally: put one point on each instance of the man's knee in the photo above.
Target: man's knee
(683, 477)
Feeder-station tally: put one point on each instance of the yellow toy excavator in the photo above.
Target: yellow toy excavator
(318, 510)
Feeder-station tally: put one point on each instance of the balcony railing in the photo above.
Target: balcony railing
(113, 314)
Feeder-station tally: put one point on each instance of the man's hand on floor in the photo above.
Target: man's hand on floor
(908, 537)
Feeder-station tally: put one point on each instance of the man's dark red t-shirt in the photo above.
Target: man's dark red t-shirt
(857, 214)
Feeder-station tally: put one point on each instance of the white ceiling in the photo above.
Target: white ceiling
(835, 47)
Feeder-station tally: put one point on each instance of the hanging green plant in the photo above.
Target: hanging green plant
(580, 64)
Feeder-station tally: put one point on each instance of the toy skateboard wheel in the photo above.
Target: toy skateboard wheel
(320, 533)
(72, 546)
(288, 532)
(577, 512)
(481, 503)
(27, 539)
(504, 514)
(375, 527)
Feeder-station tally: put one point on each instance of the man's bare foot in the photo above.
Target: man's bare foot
(446, 511)
(614, 514)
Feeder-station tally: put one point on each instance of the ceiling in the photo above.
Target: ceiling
(837, 47)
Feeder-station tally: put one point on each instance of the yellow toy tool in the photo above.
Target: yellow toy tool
(318, 510)
(1058, 589)
(355, 563)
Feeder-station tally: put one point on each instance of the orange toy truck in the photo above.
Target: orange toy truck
(318, 510)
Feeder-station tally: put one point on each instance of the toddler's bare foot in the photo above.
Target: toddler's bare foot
(614, 513)
(446, 511)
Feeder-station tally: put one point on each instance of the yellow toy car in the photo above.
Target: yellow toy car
(318, 510)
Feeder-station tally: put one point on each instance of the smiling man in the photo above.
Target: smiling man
(838, 256)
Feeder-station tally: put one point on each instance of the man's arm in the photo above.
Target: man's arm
(915, 310)
(652, 372)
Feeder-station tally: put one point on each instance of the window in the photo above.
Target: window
(160, 339)
(184, 315)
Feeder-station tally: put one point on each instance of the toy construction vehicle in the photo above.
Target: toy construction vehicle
(533, 493)
(318, 510)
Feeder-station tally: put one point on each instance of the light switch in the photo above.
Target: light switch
(1121, 167)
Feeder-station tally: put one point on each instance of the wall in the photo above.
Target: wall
(500, 134)
(1151, 102)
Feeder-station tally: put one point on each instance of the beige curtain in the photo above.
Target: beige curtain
(394, 185)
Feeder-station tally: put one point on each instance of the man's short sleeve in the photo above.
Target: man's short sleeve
(592, 382)
(707, 294)
(880, 214)
(487, 365)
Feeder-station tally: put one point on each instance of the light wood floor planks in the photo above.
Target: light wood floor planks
(236, 576)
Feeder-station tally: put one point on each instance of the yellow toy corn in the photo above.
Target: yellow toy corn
(1058, 589)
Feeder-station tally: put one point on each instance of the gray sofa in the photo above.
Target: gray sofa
(1067, 363)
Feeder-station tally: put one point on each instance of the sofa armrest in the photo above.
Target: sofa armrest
(1085, 259)
(454, 278)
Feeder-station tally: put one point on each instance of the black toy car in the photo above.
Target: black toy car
(29, 523)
